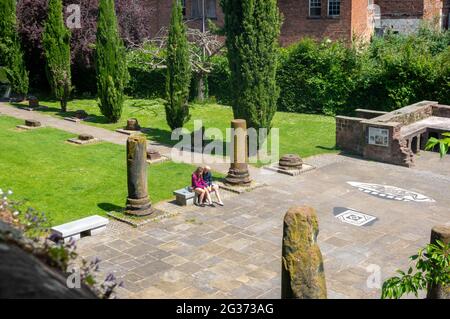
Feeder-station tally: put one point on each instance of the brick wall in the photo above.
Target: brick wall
(397, 9)
(297, 22)
(361, 28)
(350, 136)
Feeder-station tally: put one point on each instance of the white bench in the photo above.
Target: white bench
(88, 226)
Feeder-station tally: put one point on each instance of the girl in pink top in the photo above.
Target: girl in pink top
(201, 187)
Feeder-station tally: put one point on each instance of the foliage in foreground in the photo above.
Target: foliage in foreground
(56, 42)
(112, 73)
(252, 28)
(11, 55)
(34, 227)
(432, 267)
(444, 144)
(178, 71)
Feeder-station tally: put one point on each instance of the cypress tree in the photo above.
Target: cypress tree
(252, 28)
(11, 55)
(112, 73)
(178, 71)
(56, 43)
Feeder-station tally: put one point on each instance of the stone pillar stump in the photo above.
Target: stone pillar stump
(138, 202)
(238, 175)
(302, 271)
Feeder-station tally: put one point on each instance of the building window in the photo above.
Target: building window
(183, 7)
(197, 9)
(315, 8)
(334, 7)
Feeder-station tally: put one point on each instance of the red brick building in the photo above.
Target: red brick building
(334, 19)
(406, 16)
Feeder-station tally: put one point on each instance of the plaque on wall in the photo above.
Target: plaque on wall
(379, 136)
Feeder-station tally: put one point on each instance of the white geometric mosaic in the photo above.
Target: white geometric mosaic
(391, 192)
(355, 218)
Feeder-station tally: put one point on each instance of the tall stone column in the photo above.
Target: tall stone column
(238, 175)
(302, 271)
(138, 202)
(441, 233)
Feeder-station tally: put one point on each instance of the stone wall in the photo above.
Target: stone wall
(350, 134)
(368, 114)
(397, 152)
(408, 114)
(441, 110)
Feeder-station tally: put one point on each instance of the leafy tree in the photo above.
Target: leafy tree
(444, 144)
(56, 42)
(252, 28)
(178, 71)
(432, 268)
(112, 73)
(11, 55)
(133, 18)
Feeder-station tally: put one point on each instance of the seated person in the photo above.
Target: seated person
(200, 187)
(207, 177)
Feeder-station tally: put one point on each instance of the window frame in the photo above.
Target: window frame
(311, 7)
(329, 8)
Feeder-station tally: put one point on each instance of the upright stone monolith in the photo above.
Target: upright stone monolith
(441, 233)
(138, 202)
(302, 272)
(238, 175)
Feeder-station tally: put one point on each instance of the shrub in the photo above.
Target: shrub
(317, 77)
(179, 75)
(11, 55)
(56, 41)
(112, 73)
(252, 29)
(219, 81)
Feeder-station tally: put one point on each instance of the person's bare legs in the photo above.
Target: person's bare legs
(208, 197)
(201, 194)
(216, 190)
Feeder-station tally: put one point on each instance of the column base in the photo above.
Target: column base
(139, 207)
(237, 177)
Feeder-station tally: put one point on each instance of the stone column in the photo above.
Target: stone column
(441, 233)
(238, 175)
(302, 271)
(138, 202)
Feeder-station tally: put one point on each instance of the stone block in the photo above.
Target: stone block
(86, 226)
(185, 196)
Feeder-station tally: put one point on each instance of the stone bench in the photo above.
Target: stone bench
(185, 196)
(88, 226)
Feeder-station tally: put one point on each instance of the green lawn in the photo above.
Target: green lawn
(67, 181)
(303, 134)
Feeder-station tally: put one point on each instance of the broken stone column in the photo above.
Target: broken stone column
(290, 162)
(133, 125)
(441, 233)
(85, 137)
(138, 202)
(302, 271)
(33, 102)
(32, 123)
(238, 175)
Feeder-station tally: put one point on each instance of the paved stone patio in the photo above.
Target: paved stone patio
(235, 251)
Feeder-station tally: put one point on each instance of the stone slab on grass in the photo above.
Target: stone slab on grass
(77, 141)
(276, 168)
(159, 160)
(28, 128)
